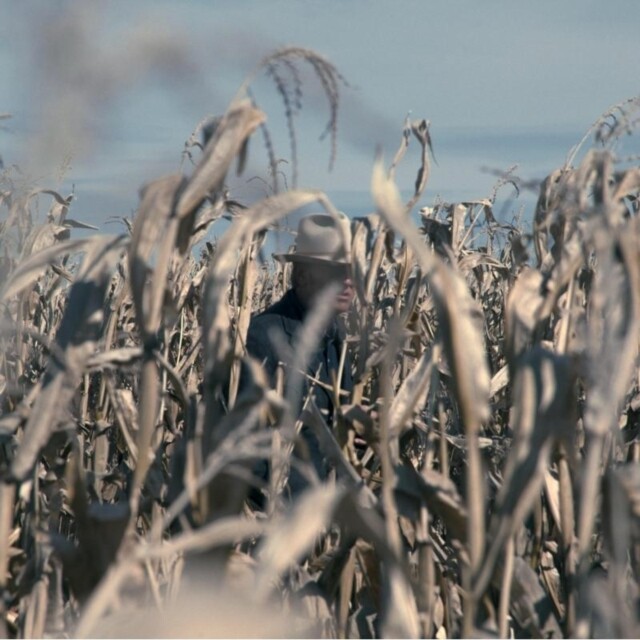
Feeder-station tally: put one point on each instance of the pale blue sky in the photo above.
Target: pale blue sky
(502, 82)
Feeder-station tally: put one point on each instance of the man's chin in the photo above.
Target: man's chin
(343, 304)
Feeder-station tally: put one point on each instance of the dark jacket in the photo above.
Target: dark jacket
(285, 318)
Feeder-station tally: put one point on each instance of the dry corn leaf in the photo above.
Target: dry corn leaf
(28, 271)
(460, 317)
(76, 340)
(524, 304)
(544, 410)
(41, 238)
(461, 324)
(203, 610)
(36, 609)
(7, 498)
(359, 246)
(289, 539)
(420, 129)
(435, 491)
(412, 393)
(231, 134)
(400, 613)
(152, 241)
(530, 604)
(114, 358)
(614, 314)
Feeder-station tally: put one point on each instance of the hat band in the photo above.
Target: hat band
(313, 257)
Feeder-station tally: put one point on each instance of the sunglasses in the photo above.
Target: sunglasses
(334, 272)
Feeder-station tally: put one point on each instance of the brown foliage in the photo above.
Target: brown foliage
(485, 464)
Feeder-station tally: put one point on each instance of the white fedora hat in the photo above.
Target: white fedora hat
(321, 238)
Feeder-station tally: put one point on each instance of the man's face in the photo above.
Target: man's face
(321, 275)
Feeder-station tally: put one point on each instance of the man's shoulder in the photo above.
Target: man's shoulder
(264, 327)
(277, 315)
(282, 311)
(264, 320)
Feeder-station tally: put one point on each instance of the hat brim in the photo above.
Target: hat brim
(296, 257)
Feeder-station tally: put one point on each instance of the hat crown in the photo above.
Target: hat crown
(322, 237)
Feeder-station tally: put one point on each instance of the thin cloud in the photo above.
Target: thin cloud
(76, 77)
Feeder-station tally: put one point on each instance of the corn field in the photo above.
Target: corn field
(486, 464)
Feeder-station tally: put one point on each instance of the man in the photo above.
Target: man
(321, 257)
